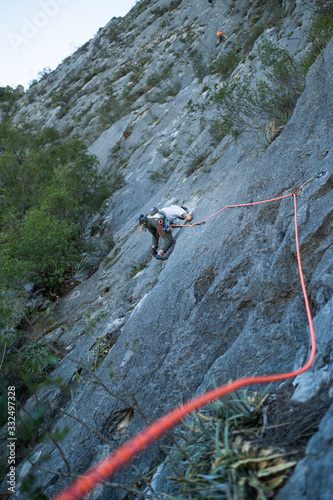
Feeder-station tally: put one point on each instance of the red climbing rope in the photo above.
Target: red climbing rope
(123, 455)
(234, 206)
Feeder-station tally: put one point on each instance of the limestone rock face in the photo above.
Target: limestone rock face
(228, 301)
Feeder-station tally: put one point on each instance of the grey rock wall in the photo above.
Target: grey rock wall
(228, 302)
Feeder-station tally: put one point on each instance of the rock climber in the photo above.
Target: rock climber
(220, 37)
(158, 221)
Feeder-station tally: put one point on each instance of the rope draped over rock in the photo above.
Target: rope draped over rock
(125, 453)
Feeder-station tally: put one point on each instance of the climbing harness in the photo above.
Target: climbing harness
(163, 222)
(160, 232)
(125, 453)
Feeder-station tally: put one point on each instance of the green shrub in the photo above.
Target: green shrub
(137, 269)
(111, 111)
(319, 32)
(261, 15)
(161, 175)
(49, 189)
(199, 67)
(44, 248)
(173, 90)
(167, 71)
(198, 159)
(38, 359)
(225, 63)
(113, 35)
(140, 7)
(160, 11)
(249, 106)
(154, 79)
(76, 179)
(160, 75)
(218, 129)
(8, 97)
(10, 315)
(174, 4)
(165, 151)
(251, 36)
(286, 80)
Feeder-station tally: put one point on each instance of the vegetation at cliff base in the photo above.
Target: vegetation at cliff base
(48, 189)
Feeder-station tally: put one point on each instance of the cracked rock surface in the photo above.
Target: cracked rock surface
(228, 301)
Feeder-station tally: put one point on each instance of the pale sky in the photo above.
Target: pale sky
(38, 34)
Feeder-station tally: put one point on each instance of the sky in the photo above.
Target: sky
(40, 34)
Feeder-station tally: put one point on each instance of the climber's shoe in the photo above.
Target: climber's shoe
(160, 257)
(154, 251)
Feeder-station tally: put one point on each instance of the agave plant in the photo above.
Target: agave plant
(220, 456)
(271, 132)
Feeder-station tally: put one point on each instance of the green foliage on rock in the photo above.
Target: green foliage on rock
(248, 106)
(9, 313)
(8, 97)
(225, 63)
(41, 248)
(38, 359)
(199, 67)
(320, 31)
(49, 188)
(262, 14)
(111, 110)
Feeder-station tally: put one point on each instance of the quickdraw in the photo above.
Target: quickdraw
(316, 176)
